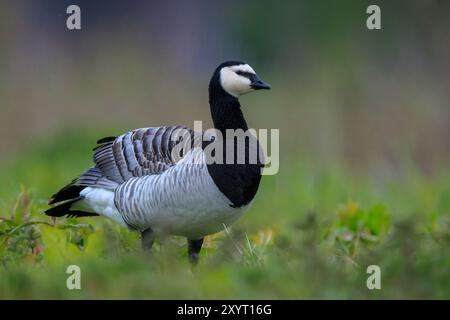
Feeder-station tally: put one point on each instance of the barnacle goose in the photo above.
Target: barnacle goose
(137, 182)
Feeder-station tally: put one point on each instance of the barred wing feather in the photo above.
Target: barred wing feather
(138, 153)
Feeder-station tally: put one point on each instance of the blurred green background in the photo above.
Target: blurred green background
(364, 119)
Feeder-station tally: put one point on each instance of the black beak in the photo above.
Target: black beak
(258, 84)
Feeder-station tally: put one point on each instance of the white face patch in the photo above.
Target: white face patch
(235, 84)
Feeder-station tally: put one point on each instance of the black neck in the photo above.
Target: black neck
(225, 110)
(238, 182)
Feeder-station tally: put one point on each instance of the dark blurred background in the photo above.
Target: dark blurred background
(375, 100)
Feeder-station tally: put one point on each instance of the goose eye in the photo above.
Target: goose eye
(244, 74)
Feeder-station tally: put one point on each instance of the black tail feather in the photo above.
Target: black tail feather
(93, 177)
(70, 194)
(71, 191)
(64, 209)
(78, 214)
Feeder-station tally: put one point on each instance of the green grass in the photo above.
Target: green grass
(311, 233)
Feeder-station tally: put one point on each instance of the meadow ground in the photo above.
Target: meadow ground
(311, 233)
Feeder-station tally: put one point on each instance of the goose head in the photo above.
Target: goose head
(236, 78)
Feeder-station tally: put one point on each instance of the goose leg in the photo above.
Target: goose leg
(194, 247)
(147, 239)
